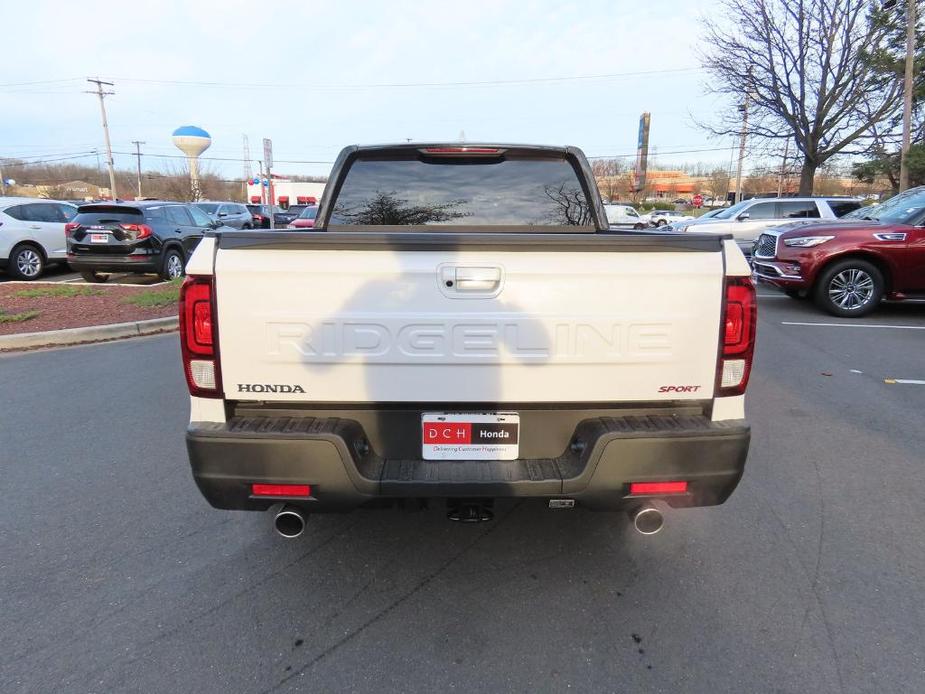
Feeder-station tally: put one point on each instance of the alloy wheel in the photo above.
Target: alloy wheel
(29, 263)
(174, 267)
(851, 289)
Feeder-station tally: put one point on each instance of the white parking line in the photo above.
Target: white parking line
(856, 325)
(904, 381)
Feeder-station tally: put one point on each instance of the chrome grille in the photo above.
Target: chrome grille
(766, 246)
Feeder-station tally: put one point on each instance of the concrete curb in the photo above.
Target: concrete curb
(90, 333)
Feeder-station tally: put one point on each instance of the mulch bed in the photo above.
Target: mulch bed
(89, 305)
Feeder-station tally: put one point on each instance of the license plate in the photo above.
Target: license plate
(99, 238)
(470, 436)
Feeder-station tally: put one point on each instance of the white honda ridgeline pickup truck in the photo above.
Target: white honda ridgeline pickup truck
(462, 325)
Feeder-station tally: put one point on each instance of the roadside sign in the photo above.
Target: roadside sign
(698, 200)
(268, 152)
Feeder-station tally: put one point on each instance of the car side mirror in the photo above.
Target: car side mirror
(742, 217)
(215, 224)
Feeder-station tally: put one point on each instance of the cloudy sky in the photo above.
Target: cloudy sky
(315, 76)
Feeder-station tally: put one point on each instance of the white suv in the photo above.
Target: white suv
(747, 219)
(32, 235)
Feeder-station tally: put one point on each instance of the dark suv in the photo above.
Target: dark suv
(261, 215)
(143, 237)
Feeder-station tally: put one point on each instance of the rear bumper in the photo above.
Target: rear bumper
(114, 263)
(334, 457)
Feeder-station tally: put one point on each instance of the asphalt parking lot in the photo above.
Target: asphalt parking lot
(116, 575)
(62, 273)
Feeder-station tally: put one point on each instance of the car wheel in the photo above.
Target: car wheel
(661, 223)
(26, 262)
(247, 226)
(173, 265)
(850, 288)
(638, 226)
(93, 276)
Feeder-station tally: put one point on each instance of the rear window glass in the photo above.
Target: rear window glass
(799, 210)
(107, 215)
(179, 215)
(462, 191)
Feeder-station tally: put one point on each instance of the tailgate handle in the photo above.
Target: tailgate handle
(478, 279)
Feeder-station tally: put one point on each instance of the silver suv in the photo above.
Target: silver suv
(747, 219)
(232, 214)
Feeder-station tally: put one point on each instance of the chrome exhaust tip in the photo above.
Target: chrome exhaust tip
(648, 520)
(289, 522)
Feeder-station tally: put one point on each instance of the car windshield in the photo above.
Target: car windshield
(295, 210)
(901, 209)
(209, 207)
(309, 213)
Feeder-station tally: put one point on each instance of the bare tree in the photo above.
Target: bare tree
(717, 184)
(805, 66)
(610, 175)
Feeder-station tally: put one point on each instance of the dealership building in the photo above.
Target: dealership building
(284, 192)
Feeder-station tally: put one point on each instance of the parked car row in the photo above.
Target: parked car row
(627, 215)
(96, 239)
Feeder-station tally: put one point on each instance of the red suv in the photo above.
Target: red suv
(848, 266)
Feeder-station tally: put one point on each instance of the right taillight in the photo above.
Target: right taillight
(199, 337)
(740, 317)
(139, 231)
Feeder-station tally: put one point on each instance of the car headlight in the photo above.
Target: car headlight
(807, 241)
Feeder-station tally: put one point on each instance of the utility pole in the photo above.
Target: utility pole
(907, 96)
(247, 163)
(742, 136)
(138, 145)
(101, 94)
(783, 167)
(2, 182)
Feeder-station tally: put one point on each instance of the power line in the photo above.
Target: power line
(406, 85)
(14, 162)
(234, 159)
(26, 84)
(660, 153)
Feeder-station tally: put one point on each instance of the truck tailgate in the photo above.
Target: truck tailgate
(440, 325)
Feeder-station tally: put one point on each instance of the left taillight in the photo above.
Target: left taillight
(69, 227)
(740, 316)
(199, 337)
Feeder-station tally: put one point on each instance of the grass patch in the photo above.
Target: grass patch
(17, 317)
(64, 290)
(156, 298)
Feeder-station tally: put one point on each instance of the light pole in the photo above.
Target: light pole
(742, 136)
(907, 96)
